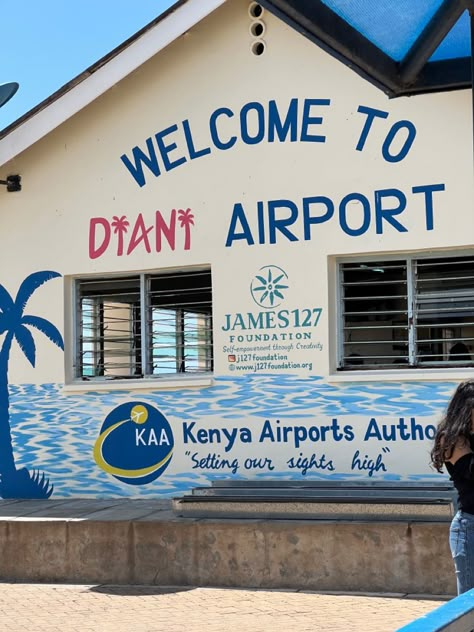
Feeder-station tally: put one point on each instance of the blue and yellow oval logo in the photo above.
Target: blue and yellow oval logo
(135, 443)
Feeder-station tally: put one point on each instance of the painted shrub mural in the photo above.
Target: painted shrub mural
(15, 326)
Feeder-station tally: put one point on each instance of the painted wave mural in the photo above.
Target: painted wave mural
(55, 432)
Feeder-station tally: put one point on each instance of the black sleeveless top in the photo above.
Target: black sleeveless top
(462, 475)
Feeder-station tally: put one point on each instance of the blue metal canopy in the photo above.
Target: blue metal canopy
(403, 46)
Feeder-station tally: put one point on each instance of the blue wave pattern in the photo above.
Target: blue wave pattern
(55, 432)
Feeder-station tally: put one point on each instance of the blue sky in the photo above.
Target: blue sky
(45, 43)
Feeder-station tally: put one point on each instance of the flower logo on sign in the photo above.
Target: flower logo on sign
(268, 286)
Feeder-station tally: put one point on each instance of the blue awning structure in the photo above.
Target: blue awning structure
(403, 46)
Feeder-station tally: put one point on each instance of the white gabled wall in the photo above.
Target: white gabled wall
(92, 87)
(75, 174)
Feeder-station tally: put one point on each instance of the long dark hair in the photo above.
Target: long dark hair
(456, 423)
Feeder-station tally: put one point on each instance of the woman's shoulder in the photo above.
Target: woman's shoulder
(462, 447)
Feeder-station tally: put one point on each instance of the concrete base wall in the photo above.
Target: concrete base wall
(164, 550)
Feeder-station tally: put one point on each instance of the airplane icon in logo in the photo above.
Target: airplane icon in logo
(139, 414)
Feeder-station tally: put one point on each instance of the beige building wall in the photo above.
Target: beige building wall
(74, 176)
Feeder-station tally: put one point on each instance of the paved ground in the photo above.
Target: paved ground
(63, 608)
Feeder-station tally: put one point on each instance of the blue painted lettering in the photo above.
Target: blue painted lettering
(356, 216)
(304, 463)
(367, 464)
(259, 464)
(350, 199)
(140, 158)
(371, 114)
(213, 129)
(225, 436)
(288, 126)
(405, 148)
(244, 123)
(309, 220)
(388, 154)
(190, 143)
(276, 433)
(165, 149)
(238, 217)
(281, 224)
(309, 120)
(428, 190)
(213, 461)
(255, 123)
(403, 431)
(386, 213)
(261, 223)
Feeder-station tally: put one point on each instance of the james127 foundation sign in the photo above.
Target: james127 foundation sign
(273, 337)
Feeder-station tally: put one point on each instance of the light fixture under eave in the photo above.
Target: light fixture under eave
(7, 91)
(13, 183)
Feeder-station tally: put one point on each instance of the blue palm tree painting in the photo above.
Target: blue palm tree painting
(15, 325)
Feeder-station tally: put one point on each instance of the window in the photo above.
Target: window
(144, 325)
(407, 312)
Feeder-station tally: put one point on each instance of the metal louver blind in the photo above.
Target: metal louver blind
(109, 341)
(413, 312)
(148, 325)
(180, 323)
(374, 314)
(444, 314)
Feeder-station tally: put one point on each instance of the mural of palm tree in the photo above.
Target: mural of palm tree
(14, 325)
(120, 226)
(186, 220)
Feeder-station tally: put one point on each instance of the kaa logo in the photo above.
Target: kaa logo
(268, 286)
(135, 443)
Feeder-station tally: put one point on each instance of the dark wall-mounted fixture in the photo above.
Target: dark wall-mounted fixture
(7, 90)
(13, 183)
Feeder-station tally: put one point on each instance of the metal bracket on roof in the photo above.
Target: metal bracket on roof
(13, 183)
(469, 5)
(431, 37)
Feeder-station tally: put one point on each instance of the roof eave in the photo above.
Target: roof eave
(325, 28)
(102, 75)
(412, 76)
